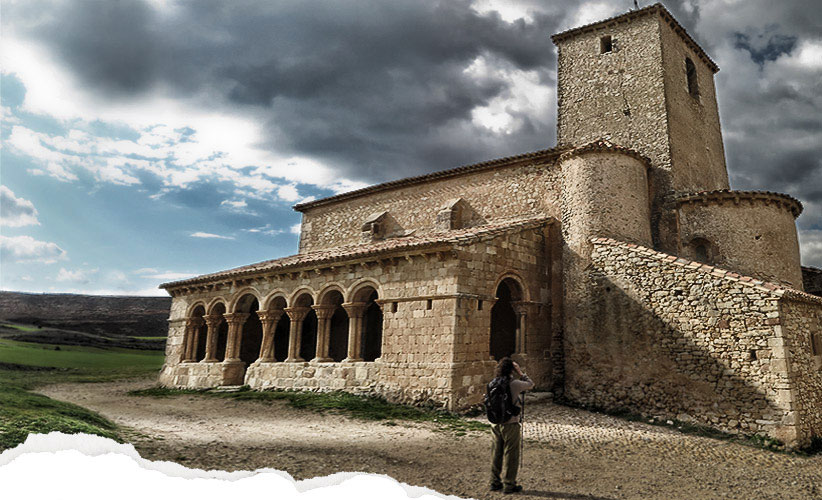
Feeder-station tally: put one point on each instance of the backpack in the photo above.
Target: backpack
(499, 405)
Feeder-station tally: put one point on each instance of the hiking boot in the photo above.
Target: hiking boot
(512, 489)
(496, 486)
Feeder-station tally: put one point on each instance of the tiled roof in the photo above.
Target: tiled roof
(657, 8)
(766, 286)
(720, 195)
(442, 174)
(457, 237)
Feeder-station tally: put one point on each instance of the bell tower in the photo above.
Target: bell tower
(640, 81)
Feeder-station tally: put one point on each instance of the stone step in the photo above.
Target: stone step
(535, 397)
(227, 388)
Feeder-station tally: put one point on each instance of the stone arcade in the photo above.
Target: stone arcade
(619, 267)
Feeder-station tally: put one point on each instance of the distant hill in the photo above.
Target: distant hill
(107, 316)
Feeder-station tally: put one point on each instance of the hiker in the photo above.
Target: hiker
(504, 408)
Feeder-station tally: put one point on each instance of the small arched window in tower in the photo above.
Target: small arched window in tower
(701, 249)
(690, 74)
(605, 44)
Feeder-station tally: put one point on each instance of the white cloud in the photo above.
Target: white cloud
(223, 144)
(27, 249)
(169, 276)
(200, 234)
(267, 229)
(81, 276)
(16, 212)
(810, 247)
(296, 228)
(525, 101)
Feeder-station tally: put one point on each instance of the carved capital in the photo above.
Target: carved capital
(195, 322)
(296, 314)
(324, 311)
(355, 309)
(236, 318)
(272, 315)
(213, 320)
(523, 308)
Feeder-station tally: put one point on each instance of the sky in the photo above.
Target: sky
(146, 141)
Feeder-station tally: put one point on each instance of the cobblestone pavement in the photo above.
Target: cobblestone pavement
(568, 453)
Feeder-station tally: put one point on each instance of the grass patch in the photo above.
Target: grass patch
(359, 407)
(25, 366)
(150, 338)
(22, 328)
(23, 413)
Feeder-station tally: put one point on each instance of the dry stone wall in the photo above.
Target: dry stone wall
(801, 323)
(505, 192)
(680, 339)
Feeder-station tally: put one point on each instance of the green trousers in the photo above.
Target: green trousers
(505, 450)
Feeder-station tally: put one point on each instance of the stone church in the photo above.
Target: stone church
(618, 267)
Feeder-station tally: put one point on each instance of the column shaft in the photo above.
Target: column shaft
(213, 324)
(269, 319)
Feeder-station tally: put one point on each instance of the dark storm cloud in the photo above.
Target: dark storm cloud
(379, 90)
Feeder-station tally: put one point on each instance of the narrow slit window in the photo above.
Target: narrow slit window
(605, 44)
(479, 305)
(690, 74)
(394, 307)
(429, 304)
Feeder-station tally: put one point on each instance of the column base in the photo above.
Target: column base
(322, 360)
(294, 360)
(352, 360)
(233, 372)
(266, 360)
(210, 360)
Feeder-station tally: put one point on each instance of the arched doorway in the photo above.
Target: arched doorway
(199, 338)
(251, 333)
(504, 320)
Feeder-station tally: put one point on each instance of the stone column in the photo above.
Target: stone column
(213, 322)
(324, 313)
(235, 329)
(521, 308)
(296, 315)
(192, 328)
(269, 319)
(356, 314)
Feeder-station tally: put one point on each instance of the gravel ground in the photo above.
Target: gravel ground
(569, 453)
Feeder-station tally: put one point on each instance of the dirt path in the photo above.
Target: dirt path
(568, 453)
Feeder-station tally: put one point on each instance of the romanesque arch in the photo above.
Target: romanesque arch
(280, 329)
(249, 328)
(334, 341)
(370, 335)
(306, 342)
(219, 327)
(195, 338)
(504, 321)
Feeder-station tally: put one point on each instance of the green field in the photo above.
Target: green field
(24, 366)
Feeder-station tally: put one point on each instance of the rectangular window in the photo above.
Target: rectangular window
(605, 44)
(479, 305)
(429, 304)
(394, 307)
